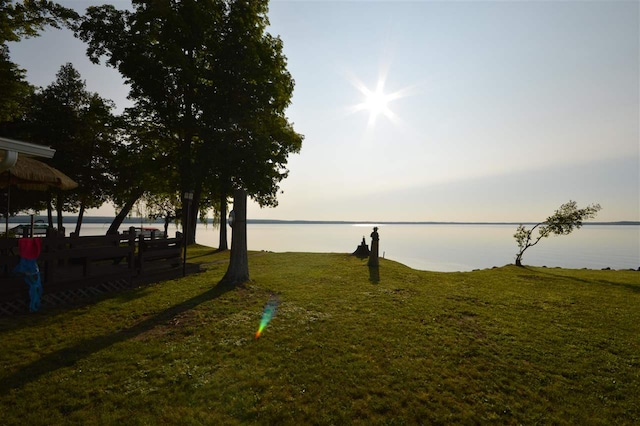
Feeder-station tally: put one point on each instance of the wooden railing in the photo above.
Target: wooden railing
(158, 253)
(76, 262)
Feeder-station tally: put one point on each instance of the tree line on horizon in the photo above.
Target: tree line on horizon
(209, 87)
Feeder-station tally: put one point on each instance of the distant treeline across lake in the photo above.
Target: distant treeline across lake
(434, 246)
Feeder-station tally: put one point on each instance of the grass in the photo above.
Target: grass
(348, 345)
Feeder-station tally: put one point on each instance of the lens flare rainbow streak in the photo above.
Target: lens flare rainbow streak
(267, 315)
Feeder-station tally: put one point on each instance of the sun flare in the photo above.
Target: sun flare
(376, 102)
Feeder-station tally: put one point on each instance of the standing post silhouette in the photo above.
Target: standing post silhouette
(373, 255)
(188, 196)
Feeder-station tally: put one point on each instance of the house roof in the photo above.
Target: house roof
(11, 148)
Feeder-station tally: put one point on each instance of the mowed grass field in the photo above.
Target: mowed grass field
(347, 345)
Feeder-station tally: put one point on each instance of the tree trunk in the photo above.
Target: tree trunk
(120, 217)
(167, 219)
(193, 220)
(222, 245)
(49, 210)
(79, 221)
(238, 270)
(59, 212)
(519, 257)
(189, 219)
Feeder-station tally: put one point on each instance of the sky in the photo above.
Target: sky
(483, 111)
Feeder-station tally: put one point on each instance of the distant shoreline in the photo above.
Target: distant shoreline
(137, 220)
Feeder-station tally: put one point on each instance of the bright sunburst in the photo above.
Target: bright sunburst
(376, 102)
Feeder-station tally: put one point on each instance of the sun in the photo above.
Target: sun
(376, 101)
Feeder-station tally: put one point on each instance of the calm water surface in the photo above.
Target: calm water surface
(440, 247)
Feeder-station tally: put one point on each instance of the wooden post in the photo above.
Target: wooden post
(188, 197)
(50, 245)
(132, 248)
(140, 252)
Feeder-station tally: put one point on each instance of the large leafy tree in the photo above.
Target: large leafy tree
(214, 82)
(141, 165)
(14, 88)
(162, 49)
(80, 126)
(253, 90)
(567, 218)
(18, 20)
(209, 75)
(256, 137)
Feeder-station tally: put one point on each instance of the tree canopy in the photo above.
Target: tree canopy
(80, 126)
(210, 87)
(20, 20)
(27, 18)
(213, 83)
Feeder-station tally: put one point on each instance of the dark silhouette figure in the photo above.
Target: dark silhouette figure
(373, 256)
(362, 251)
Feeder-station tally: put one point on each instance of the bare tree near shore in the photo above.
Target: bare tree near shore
(567, 218)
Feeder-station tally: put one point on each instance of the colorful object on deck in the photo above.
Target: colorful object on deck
(268, 313)
(28, 267)
(29, 248)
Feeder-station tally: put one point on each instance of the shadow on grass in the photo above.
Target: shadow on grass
(628, 286)
(374, 274)
(208, 253)
(140, 288)
(69, 356)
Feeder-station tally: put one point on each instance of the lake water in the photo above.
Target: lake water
(438, 247)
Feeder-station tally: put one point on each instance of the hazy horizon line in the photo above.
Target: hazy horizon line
(128, 220)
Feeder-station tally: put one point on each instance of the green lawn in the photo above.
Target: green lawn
(347, 345)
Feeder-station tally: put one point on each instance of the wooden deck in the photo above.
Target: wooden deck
(72, 268)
